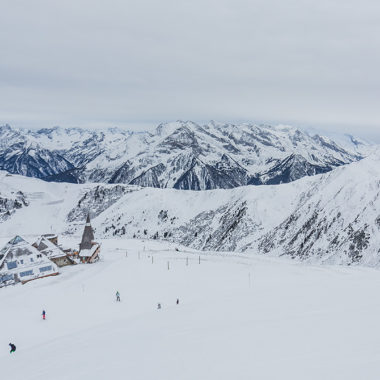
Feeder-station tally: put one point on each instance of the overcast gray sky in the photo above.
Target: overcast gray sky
(138, 63)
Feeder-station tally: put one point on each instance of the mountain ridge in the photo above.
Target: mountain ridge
(181, 155)
(331, 218)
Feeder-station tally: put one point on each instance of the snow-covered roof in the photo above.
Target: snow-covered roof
(89, 252)
(18, 246)
(50, 236)
(45, 246)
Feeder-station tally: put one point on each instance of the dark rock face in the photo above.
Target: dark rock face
(32, 161)
(10, 204)
(149, 178)
(69, 176)
(181, 155)
(290, 169)
(125, 174)
(359, 241)
(96, 201)
(224, 174)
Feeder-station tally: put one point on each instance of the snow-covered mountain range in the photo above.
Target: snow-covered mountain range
(332, 217)
(180, 155)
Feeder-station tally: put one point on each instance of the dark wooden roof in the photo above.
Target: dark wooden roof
(88, 235)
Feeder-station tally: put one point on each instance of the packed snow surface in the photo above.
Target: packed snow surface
(238, 318)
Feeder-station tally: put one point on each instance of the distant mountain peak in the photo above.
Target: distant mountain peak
(180, 154)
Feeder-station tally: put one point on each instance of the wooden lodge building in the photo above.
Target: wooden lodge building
(48, 245)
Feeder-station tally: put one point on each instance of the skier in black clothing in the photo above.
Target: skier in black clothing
(13, 347)
(177, 301)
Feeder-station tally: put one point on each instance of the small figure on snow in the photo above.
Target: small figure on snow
(43, 314)
(117, 296)
(13, 347)
(159, 306)
(177, 301)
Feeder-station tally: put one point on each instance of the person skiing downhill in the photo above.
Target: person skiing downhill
(177, 301)
(43, 314)
(117, 296)
(159, 306)
(13, 347)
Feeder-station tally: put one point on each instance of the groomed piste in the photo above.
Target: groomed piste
(237, 318)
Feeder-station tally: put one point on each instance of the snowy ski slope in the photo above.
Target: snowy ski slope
(238, 318)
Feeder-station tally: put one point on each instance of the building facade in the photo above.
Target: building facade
(20, 262)
(48, 245)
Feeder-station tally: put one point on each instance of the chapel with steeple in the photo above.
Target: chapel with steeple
(88, 248)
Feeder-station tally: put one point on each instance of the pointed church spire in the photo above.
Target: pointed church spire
(88, 235)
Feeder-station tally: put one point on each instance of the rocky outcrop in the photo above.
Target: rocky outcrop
(11, 203)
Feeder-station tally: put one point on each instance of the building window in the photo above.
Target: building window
(21, 261)
(31, 259)
(6, 277)
(12, 265)
(46, 269)
(26, 273)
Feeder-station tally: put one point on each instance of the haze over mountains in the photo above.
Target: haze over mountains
(180, 155)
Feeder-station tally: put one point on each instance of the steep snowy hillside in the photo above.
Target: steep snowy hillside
(46, 204)
(180, 155)
(337, 220)
(238, 318)
(127, 211)
(331, 218)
